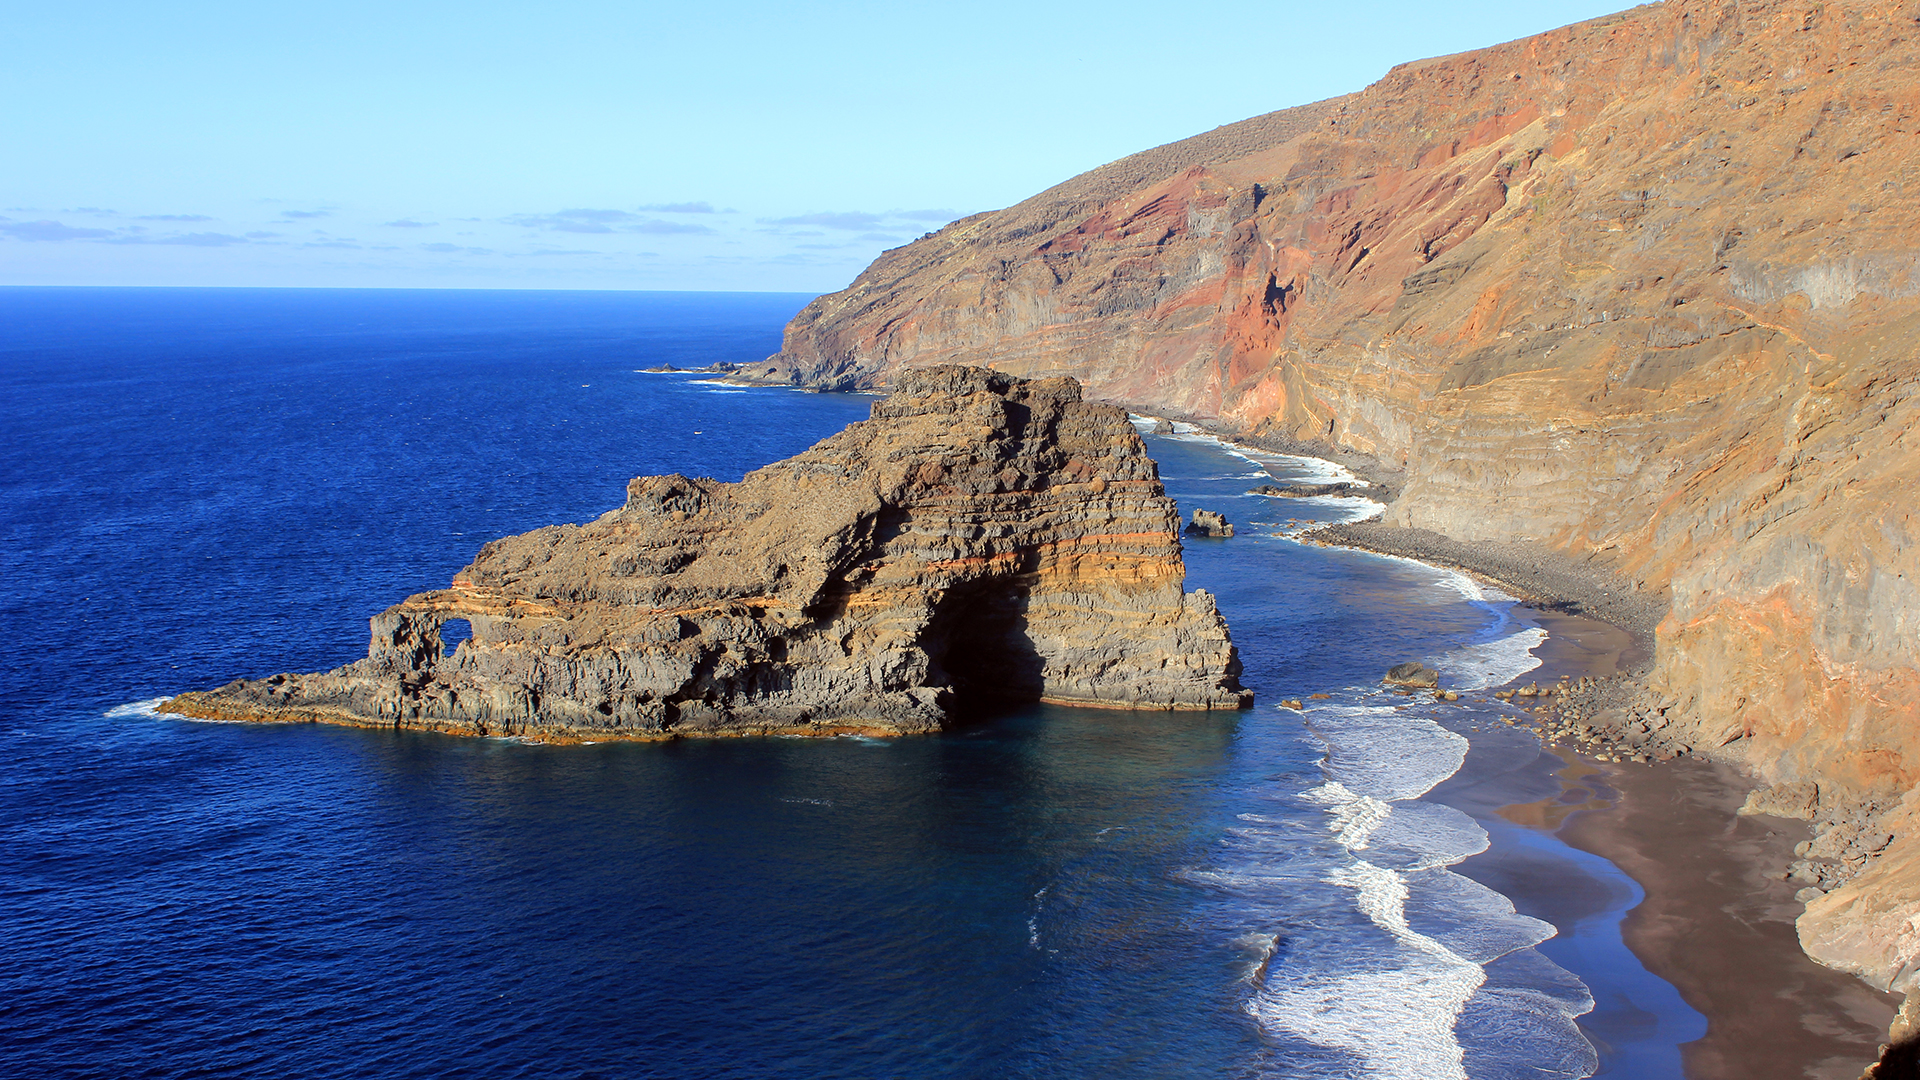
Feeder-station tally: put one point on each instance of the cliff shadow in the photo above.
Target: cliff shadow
(977, 644)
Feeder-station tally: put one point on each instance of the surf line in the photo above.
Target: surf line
(1382, 979)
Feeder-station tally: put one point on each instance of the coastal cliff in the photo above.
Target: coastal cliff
(1643, 291)
(981, 536)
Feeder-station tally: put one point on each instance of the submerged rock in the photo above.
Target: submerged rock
(981, 536)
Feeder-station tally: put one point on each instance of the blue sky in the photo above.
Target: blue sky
(578, 144)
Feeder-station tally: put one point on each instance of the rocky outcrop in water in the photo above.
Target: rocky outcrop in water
(981, 536)
(1643, 291)
(1209, 523)
(1314, 491)
(1412, 673)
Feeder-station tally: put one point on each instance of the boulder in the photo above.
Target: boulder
(1412, 673)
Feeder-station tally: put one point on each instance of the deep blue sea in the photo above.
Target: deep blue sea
(197, 485)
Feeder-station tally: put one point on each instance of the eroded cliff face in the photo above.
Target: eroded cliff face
(1644, 290)
(980, 536)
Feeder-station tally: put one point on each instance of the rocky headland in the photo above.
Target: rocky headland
(1640, 294)
(980, 537)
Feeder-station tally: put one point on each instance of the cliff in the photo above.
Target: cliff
(981, 536)
(1643, 291)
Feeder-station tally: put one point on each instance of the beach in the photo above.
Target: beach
(1712, 914)
(1696, 893)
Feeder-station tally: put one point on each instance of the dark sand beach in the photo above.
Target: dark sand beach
(1704, 904)
(1703, 907)
(1717, 922)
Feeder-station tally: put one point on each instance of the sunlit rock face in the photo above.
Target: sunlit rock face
(1645, 290)
(982, 536)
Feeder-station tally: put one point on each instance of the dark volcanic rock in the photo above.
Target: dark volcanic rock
(1412, 673)
(1308, 491)
(1209, 523)
(981, 535)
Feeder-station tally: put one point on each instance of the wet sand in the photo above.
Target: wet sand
(1685, 884)
(1719, 926)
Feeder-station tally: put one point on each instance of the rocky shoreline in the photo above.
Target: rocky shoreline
(1617, 719)
(1540, 577)
(1611, 717)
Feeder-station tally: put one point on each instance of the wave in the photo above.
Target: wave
(1385, 956)
(1386, 752)
(1397, 1019)
(1345, 507)
(1492, 663)
(1365, 953)
(1503, 649)
(148, 707)
(1298, 468)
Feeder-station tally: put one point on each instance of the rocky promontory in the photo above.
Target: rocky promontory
(980, 537)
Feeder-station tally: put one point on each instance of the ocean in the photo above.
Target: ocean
(199, 485)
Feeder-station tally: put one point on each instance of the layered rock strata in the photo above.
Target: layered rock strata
(980, 536)
(1642, 291)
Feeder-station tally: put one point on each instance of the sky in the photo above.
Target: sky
(583, 144)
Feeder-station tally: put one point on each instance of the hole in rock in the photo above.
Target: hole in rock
(452, 633)
(977, 644)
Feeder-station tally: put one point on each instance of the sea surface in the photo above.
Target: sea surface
(198, 485)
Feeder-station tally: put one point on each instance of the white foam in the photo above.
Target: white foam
(1397, 1021)
(1492, 663)
(1495, 662)
(1313, 470)
(1397, 1012)
(1298, 468)
(1345, 507)
(1377, 969)
(1259, 949)
(150, 708)
(1422, 835)
(1382, 751)
(1355, 817)
(1386, 988)
(1479, 923)
(1501, 659)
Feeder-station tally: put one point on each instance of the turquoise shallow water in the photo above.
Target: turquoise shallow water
(196, 485)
